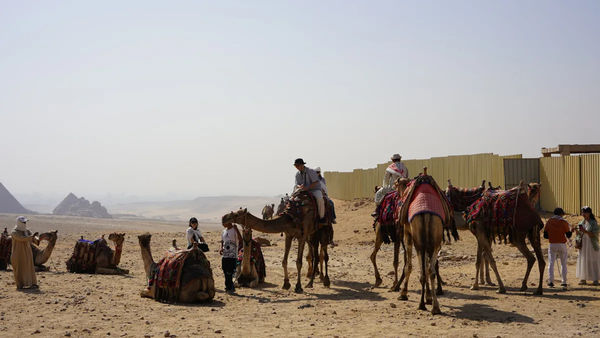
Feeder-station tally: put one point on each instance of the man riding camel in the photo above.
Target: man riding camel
(393, 172)
(308, 180)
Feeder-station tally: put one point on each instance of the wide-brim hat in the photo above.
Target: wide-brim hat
(396, 157)
(299, 161)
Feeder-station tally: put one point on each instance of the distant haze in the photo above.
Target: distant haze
(141, 100)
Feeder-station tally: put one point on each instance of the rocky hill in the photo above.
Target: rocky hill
(74, 206)
(9, 204)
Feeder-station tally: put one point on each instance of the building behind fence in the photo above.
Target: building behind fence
(570, 182)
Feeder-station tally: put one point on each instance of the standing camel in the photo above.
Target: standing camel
(303, 229)
(508, 213)
(424, 213)
(267, 211)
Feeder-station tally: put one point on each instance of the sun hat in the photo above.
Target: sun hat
(396, 157)
(299, 161)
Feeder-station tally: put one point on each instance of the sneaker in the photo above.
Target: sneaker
(564, 286)
(551, 284)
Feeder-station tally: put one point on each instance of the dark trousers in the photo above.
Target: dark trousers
(228, 265)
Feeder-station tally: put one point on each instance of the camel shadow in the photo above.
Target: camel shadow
(211, 304)
(483, 312)
(459, 295)
(31, 291)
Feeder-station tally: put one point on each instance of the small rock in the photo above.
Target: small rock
(67, 334)
(36, 332)
(581, 305)
(147, 322)
(218, 331)
(433, 324)
(392, 305)
(167, 334)
(304, 306)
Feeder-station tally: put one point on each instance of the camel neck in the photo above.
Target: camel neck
(45, 254)
(246, 258)
(117, 255)
(276, 225)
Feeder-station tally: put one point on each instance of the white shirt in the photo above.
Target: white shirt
(191, 233)
(392, 175)
(323, 185)
(230, 243)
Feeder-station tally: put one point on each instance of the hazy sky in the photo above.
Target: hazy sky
(183, 99)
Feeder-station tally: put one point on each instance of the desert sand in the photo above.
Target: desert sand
(98, 305)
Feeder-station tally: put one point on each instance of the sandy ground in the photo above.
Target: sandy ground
(97, 305)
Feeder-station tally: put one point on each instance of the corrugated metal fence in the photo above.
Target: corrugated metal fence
(567, 181)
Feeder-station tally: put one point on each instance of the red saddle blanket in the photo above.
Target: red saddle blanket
(168, 270)
(497, 205)
(388, 209)
(426, 199)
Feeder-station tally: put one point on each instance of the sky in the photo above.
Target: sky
(174, 100)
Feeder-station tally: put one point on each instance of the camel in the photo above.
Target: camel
(325, 237)
(195, 282)
(386, 232)
(303, 229)
(526, 224)
(250, 273)
(267, 211)
(40, 256)
(425, 231)
(97, 257)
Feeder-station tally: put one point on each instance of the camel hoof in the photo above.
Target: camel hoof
(475, 287)
(403, 297)
(422, 307)
(309, 285)
(491, 284)
(501, 291)
(286, 285)
(436, 311)
(538, 292)
(326, 281)
(298, 289)
(439, 292)
(523, 288)
(378, 282)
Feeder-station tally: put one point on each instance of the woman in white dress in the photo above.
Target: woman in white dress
(588, 261)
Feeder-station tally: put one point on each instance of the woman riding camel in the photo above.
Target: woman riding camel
(21, 257)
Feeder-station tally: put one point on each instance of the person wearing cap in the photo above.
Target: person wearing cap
(308, 180)
(557, 231)
(324, 190)
(21, 257)
(394, 171)
(588, 260)
(192, 233)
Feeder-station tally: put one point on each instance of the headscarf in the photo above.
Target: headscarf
(21, 224)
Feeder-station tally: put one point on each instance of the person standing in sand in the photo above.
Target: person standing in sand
(230, 242)
(588, 261)
(21, 257)
(557, 231)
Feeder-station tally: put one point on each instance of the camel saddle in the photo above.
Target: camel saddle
(83, 258)
(424, 196)
(302, 198)
(175, 270)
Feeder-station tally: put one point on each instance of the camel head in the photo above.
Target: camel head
(5, 232)
(401, 185)
(235, 217)
(533, 191)
(482, 184)
(49, 236)
(246, 234)
(145, 240)
(117, 238)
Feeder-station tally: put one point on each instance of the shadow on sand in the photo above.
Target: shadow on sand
(483, 312)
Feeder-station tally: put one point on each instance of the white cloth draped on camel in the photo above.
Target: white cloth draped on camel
(22, 259)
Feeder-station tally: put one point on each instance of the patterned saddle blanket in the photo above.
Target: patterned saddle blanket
(83, 258)
(426, 199)
(498, 206)
(388, 209)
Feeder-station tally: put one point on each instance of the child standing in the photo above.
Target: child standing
(230, 240)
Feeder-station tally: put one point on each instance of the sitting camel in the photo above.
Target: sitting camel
(493, 216)
(182, 275)
(251, 269)
(305, 229)
(267, 211)
(97, 256)
(40, 256)
(423, 214)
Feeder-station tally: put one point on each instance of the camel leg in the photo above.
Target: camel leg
(478, 263)
(487, 252)
(440, 282)
(433, 262)
(322, 254)
(520, 244)
(313, 246)
(535, 243)
(325, 262)
(309, 264)
(148, 292)
(378, 242)
(407, 263)
(488, 279)
(284, 263)
(396, 285)
(111, 271)
(423, 279)
(301, 241)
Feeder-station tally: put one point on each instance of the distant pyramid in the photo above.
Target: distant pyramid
(73, 206)
(9, 204)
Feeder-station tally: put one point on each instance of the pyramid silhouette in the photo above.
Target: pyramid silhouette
(9, 204)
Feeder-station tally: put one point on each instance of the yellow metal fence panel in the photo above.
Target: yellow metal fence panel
(551, 178)
(571, 184)
(590, 182)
